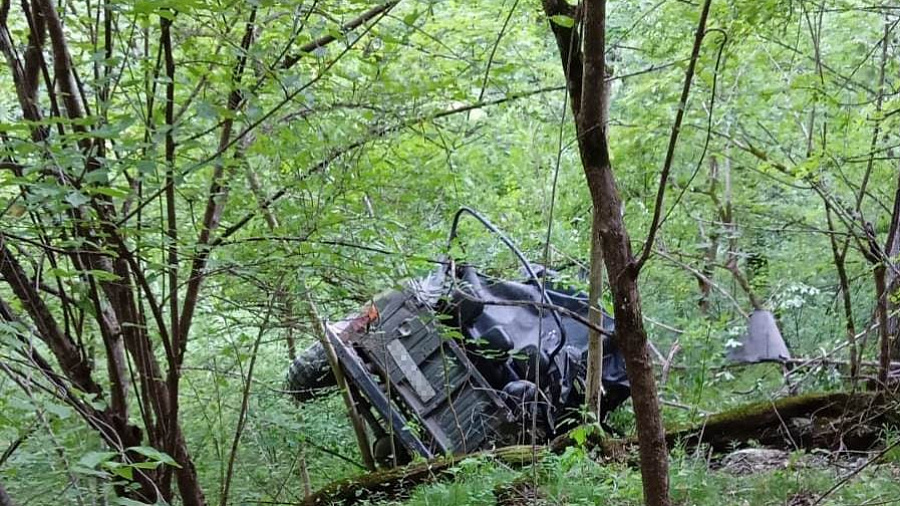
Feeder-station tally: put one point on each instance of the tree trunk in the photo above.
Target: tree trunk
(188, 481)
(893, 320)
(844, 280)
(891, 250)
(589, 105)
(5, 499)
(594, 376)
(594, 383)
(356, 421)
(304, 475)
(632, 338)
(704, 281)
(884, 337)
(723, 213)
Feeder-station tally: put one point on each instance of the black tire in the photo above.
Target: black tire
(310, 374)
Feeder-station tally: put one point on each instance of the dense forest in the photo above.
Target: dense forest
(194, 191)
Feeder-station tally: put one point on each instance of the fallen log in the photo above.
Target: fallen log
(832, 421)
(846, 421)
(842, 420)
(396, 482)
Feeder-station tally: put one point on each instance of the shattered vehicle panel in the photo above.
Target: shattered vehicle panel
(450, 363)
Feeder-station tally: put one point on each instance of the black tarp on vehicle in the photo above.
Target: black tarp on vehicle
(504, 321)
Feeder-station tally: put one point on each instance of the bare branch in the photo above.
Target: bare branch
(63, 347)
(375, 134)
(62, 65)
(171, 217)
(323, 41)
(673, 139)
(217, 195)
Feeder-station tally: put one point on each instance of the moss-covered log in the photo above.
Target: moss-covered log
(830, 420)
(825, 420)
(393, 483)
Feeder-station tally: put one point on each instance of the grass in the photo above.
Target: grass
(575, 479)
(473, 482)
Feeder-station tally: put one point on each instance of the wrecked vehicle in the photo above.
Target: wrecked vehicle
(459, 361)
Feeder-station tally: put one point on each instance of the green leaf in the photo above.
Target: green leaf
(59, 273)
(76, 198)
(124, 501)
(145, 465)
(123, 470)
(89, 472)
(411, 18)
(155, 455)
(563, 20)
(580, 435)
(93, 459)
(110, 191)
(101, 275)
(59, 410)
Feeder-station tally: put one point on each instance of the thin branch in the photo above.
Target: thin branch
(63, 347)
(250, 128)
(673, 139)
(245, 404)
(855, 472)
(62, 66)
(216, 196)
(374, 135)
(323, 41)
(171, 217)
(699, 275)
(490, 61)
(877, 129)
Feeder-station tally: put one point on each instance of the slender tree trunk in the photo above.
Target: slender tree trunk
(741, 279)
(844, 280)
(188, 482)
(5, 499)
(594, 380)
(632, 339)
(287, 301)
(589, 106)
(891, 250)
(594, 386)
(245, 406)
(893, 319)
(704, 281)
(881, 311)
(304, 475)
(356, 421)
(283, 295)
(881, 259)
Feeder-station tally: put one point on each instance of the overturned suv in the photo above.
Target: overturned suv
(459, 361)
